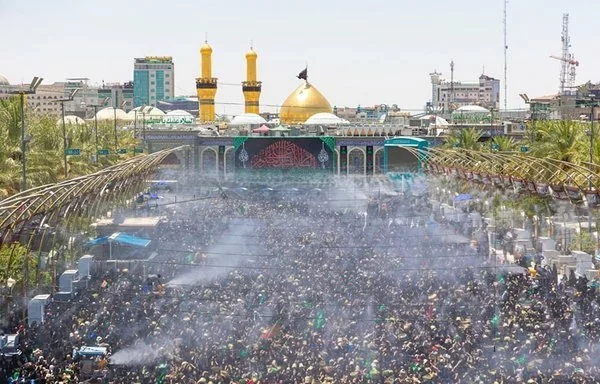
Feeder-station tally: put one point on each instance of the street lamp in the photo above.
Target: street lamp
(22, 92)
(592, 104)
(64, 128)
(533, 115)
(115, 115)
(103, 103)
(143, 110)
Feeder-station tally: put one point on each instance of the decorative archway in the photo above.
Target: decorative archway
(172, 160)
(336, 153)
(209, 160)
(357, 161)
(229, 160)
(399, 153)
(378, 161)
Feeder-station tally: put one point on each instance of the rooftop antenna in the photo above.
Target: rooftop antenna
(568, 63)
(566, 42)
(451, 84)
(505, 59)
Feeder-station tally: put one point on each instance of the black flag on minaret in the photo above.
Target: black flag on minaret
(304, 74)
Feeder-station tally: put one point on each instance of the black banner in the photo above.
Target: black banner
(369, 159)
(221, 158)
(343, 159)
(284, 153)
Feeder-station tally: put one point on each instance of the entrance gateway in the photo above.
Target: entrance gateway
(397, 158)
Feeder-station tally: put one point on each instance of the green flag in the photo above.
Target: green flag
(495, 320)
(162, 373)
(320, 319)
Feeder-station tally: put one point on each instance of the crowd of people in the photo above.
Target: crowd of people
(310, 291)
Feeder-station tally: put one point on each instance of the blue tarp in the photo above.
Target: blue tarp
(121, 238)
(463, 197)
(98, 241)
(134, 241)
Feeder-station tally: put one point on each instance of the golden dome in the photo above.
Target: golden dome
(251, 53)
(305, 101)
(205, 48)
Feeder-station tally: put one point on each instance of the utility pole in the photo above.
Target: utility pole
(103, 103)
(32, 88)
(451, 86)
(116, 136)
(505, 58)
(64, 128)
(591, 167)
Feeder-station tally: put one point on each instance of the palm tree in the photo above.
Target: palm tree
(505, 143)
(559, 140)
(45, 151)
(464, 138)
(10, 150)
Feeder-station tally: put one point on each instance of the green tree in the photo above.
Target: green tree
(12, 263)
(505, 143)
(466, 138)
(45, 160)
(559, 140)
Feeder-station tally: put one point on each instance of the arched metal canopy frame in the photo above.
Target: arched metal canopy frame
(77, 196)
(523, 166)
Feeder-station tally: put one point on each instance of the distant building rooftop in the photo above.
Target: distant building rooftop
(154, 59)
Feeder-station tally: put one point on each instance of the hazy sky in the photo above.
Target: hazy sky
(358, 52)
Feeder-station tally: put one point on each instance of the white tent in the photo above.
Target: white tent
(152, 114)
(248, 119)
(436, 120)
(72, 119)
(324, 118)
(109, 113)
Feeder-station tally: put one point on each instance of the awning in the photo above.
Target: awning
(463, 197)
(125, 239)
(98, 241)
(121, 238)
(263, 129)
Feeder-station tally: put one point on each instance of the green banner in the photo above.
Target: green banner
(73, 151)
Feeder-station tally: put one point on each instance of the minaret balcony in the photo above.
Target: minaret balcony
(206, 82)
(251, 86)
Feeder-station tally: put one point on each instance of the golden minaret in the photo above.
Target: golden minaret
(206, 86)
(251, 87)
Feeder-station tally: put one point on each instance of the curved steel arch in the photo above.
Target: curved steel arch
(526, 167)
(69, 196)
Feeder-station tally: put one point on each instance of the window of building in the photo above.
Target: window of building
(152, 83)
(152, 75)
(152, 90)
(166, 75)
